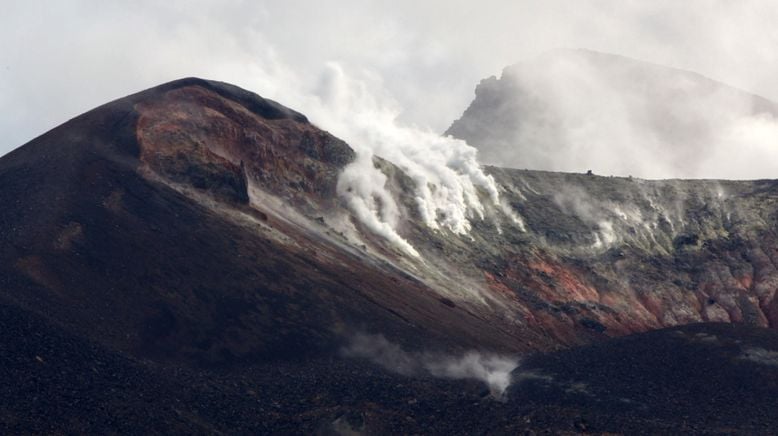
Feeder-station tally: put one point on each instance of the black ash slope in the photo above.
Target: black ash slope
(695, 380)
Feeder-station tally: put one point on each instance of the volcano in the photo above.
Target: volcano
(180, 260)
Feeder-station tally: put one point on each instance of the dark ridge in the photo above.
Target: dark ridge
(261, 106)
(114, 121)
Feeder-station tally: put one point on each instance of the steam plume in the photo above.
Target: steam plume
(445, 171)
(494, 370)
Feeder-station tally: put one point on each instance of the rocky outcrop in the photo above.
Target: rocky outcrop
(634, 255)
(195, 136)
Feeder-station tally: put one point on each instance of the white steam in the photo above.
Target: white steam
(494, 370)
(574, 200)
(445, 171)
(362, 186)
(355, 106)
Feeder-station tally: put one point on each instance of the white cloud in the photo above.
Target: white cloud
(574, 110)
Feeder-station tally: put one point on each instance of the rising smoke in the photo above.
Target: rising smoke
(449, 181)
(493, 370)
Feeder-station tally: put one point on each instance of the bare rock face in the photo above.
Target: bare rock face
(634, 255)
(195, 136)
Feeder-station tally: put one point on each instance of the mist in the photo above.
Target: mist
(579, 110)
(61, 59)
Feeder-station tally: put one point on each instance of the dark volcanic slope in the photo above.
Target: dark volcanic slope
(179, 261)
(700, 379)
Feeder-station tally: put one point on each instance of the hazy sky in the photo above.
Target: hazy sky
(61, 58)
